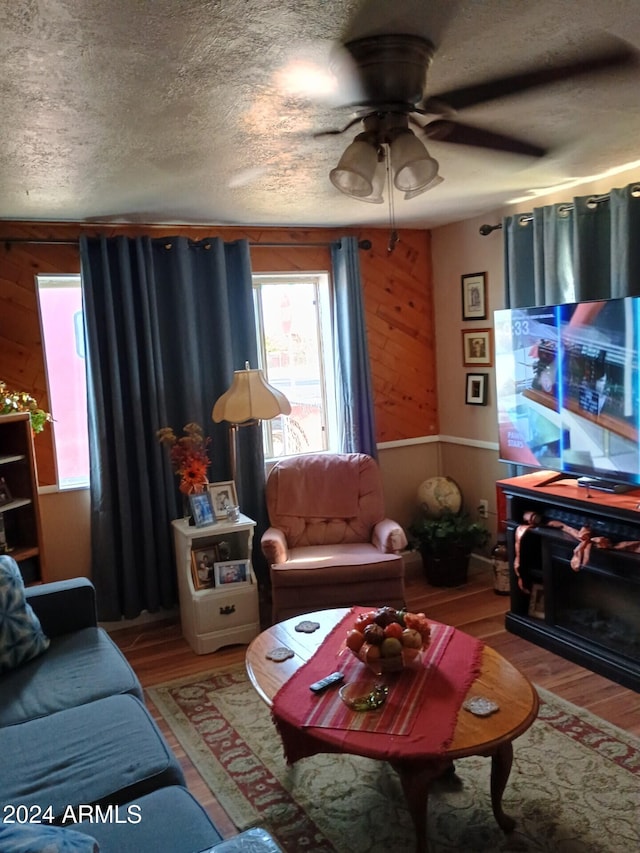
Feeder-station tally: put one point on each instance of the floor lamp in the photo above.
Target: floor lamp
(249, 400)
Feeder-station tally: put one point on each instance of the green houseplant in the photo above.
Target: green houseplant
(445, 543)
(21, 401)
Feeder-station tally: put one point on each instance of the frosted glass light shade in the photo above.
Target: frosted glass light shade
(377, 185)
(433, 183)
(412, 165)
(356, 169)
(250, 397)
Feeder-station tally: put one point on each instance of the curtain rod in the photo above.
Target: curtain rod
(362, 244)
(8, 240)
(485, 230)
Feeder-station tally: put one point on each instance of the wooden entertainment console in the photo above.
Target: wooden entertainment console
(575, 573)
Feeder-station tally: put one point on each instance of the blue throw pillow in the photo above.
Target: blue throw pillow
(21, 635)
(38, 838)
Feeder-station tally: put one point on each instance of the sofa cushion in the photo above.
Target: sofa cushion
(21, 636)
(78, 668)
(108, 751)
(170, 821)
(40, 838)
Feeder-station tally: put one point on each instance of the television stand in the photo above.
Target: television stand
(596, 483)
(609, 486)
(586, 611)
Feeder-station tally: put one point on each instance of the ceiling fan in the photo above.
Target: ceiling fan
(397, 112)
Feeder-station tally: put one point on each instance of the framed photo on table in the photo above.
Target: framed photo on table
(201, 509)
(222, 495)
(474, 296)
(232, 573)
(476, 391)
(477, 348)
(202, 563)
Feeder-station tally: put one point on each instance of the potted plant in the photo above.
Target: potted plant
(445, 543)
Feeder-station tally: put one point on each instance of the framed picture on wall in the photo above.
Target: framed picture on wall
(477, 347)
(474, 296)
(476, 390)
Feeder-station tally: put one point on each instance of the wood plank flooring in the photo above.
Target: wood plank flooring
(158, 653)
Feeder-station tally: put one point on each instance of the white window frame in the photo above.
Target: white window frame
(46, 281)
(321, 281)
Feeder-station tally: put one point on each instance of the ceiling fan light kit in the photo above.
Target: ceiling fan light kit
(361, 170)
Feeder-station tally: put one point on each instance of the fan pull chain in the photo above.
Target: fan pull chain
(393, 235)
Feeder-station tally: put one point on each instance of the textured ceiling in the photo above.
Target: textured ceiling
(176, 111)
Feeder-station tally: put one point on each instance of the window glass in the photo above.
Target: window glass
(292, 327)
(61, 318)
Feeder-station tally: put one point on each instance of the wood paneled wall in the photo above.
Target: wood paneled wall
(397, 292)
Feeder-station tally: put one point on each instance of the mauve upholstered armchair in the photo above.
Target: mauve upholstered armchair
(329, 543)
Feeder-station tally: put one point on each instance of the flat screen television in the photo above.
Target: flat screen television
(568, 390)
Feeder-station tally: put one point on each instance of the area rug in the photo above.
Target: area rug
(574, 785)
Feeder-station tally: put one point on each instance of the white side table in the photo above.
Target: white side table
(229, 612)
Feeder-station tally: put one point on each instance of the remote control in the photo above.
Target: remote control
(334, 678)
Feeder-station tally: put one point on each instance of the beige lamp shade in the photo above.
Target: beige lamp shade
(250, 397)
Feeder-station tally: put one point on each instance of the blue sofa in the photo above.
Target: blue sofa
(74, 732)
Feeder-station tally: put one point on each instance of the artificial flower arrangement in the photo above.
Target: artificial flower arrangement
(20, 401)
(188, 456)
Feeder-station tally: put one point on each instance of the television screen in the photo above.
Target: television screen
(568, 387)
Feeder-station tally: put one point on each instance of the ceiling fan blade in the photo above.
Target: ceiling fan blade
(337, 130)
(444, 130)
(467, 96)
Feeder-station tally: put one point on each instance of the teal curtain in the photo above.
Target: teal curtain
(167, 321)
(573, 252)
(353, 376)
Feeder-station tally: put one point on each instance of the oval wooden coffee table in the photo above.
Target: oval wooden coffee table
(490, 736)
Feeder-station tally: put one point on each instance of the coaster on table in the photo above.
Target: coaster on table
(307, 627)
(481, 706)
(279, 654)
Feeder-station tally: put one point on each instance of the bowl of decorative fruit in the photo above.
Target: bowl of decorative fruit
(388, 640)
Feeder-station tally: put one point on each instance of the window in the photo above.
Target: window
(293, 326)
(61, 319)
(293, 330)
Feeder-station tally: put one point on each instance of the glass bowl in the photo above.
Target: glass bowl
(366, 695)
